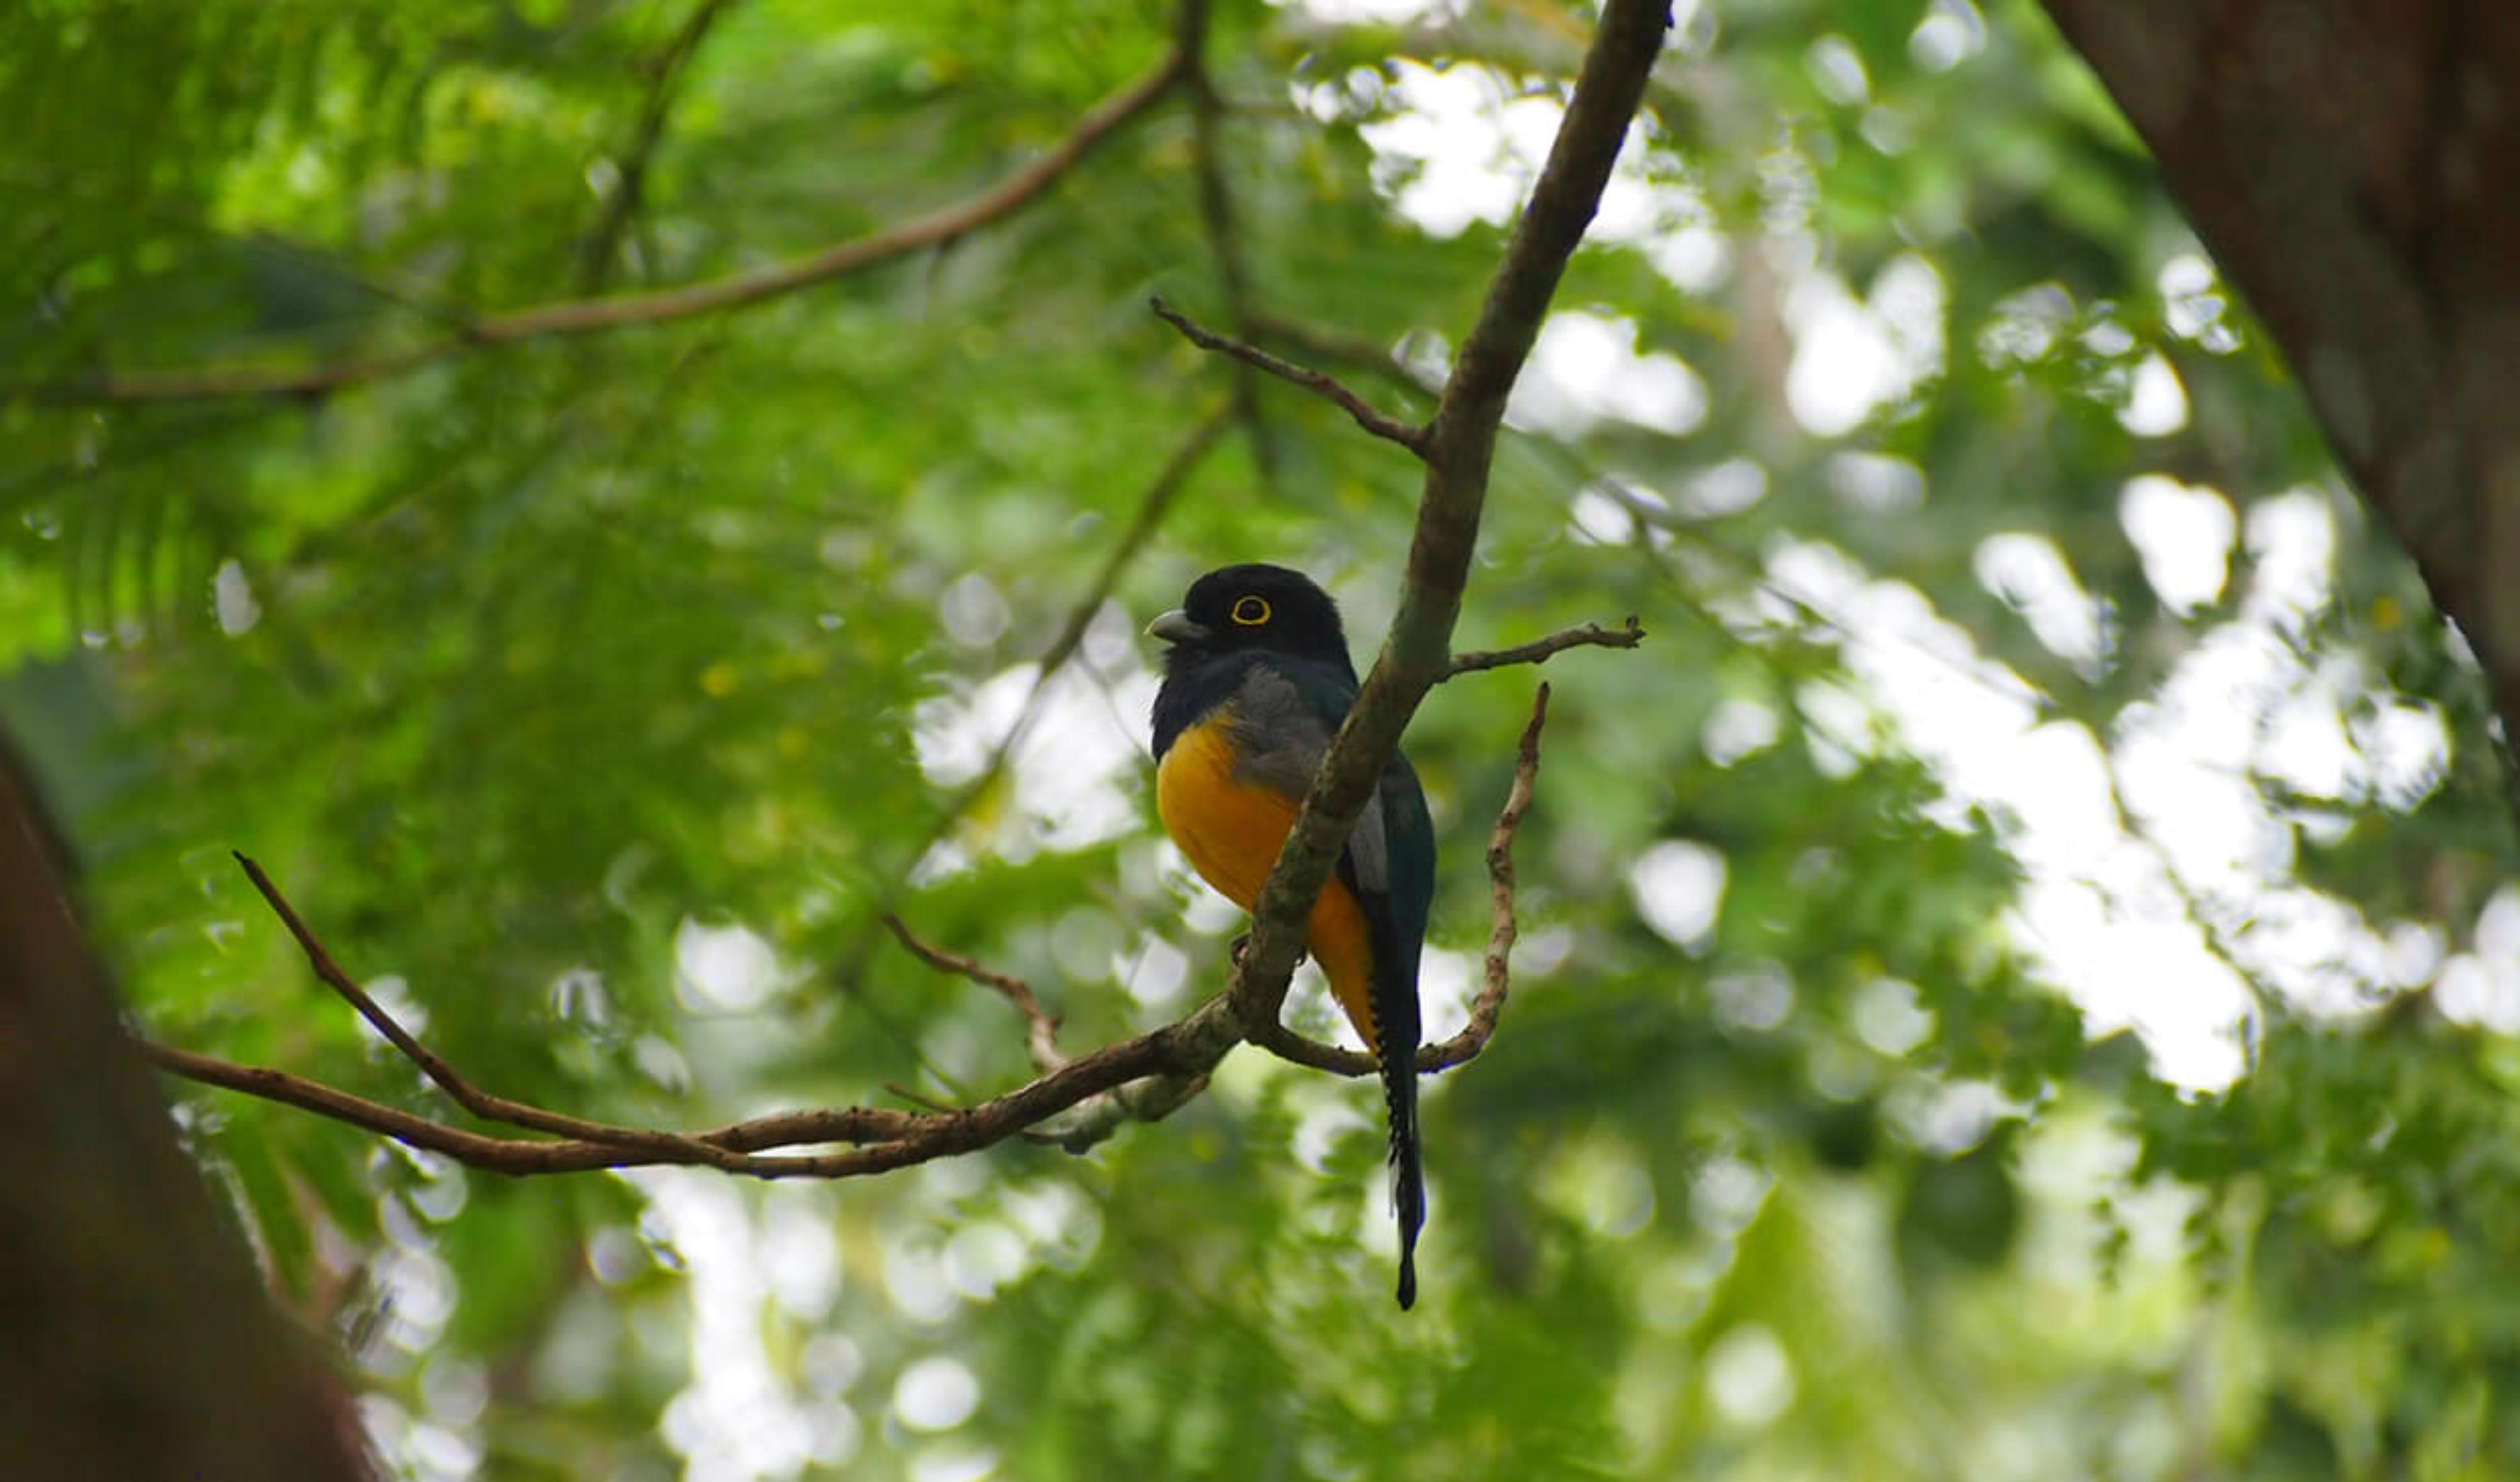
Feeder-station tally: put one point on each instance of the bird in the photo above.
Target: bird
(1256, 680)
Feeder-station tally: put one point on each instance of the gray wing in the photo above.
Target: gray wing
(1278, 742)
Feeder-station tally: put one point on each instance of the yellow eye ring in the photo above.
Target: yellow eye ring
(1250, 612)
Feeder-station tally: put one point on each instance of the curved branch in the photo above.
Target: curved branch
(588, 316)
(886, 1139)
(1041, 1027)
(1142, 1079)
(1489, 1006)
(480, 1103)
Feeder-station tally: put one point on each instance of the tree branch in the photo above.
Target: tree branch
(1461, 441)
(1368, 416)
(884, 1139)
(1216, 218)
(480, 1103)
(1542, 651)
(587, 316)
(1041, 1027)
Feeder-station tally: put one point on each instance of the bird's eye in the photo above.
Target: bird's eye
(1250, 612)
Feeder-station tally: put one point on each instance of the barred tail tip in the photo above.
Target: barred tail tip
(1409, 1205)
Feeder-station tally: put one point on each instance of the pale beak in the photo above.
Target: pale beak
(1175, 627)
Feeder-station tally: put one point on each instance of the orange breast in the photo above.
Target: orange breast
(1231, 831)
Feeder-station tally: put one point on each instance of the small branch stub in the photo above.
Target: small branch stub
(1542, 651)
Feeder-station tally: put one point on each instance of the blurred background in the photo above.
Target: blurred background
(2017, 973)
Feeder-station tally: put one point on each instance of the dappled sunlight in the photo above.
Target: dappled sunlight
(729, 968)
(739, 1418)
(2137, 926)
(2481, 987)
(1952, 32)
(749, 1259)
(1586, 369)
(1679, 888)
(2185, 536)
(2030, 574)
(1853, 356)
(935, 1394)
(1753, 998)
(1739, 728)
(1069, 744)
(1748, 1376)
(2156, 404)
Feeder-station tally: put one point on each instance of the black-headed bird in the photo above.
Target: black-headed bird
(1256, 681)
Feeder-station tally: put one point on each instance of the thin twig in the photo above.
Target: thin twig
(1503, 931)
(1368, 416)
(1040, 1025)
(1152, 1099)
(521, 1156)
(1489, 1007)
(602, 242)
(1317, 343)
(1540, 650)
(587, 316)
(917, 1097)
(480, 1103)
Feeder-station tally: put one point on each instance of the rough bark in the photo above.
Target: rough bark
(138, 1341)
(2354, 166)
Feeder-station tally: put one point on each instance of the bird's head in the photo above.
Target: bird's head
(1237, 608)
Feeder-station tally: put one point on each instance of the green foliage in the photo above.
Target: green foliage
(1806, 1147)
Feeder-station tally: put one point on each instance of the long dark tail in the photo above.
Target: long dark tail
(1392, 1002)
(1408, 1163)
(1395, 1044)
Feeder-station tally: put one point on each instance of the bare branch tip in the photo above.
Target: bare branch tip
(1540, 650)
(1367, 416)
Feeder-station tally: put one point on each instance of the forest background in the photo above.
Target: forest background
(606, 501)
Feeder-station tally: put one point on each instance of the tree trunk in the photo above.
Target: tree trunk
(2354, 166)
(136, 1341)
